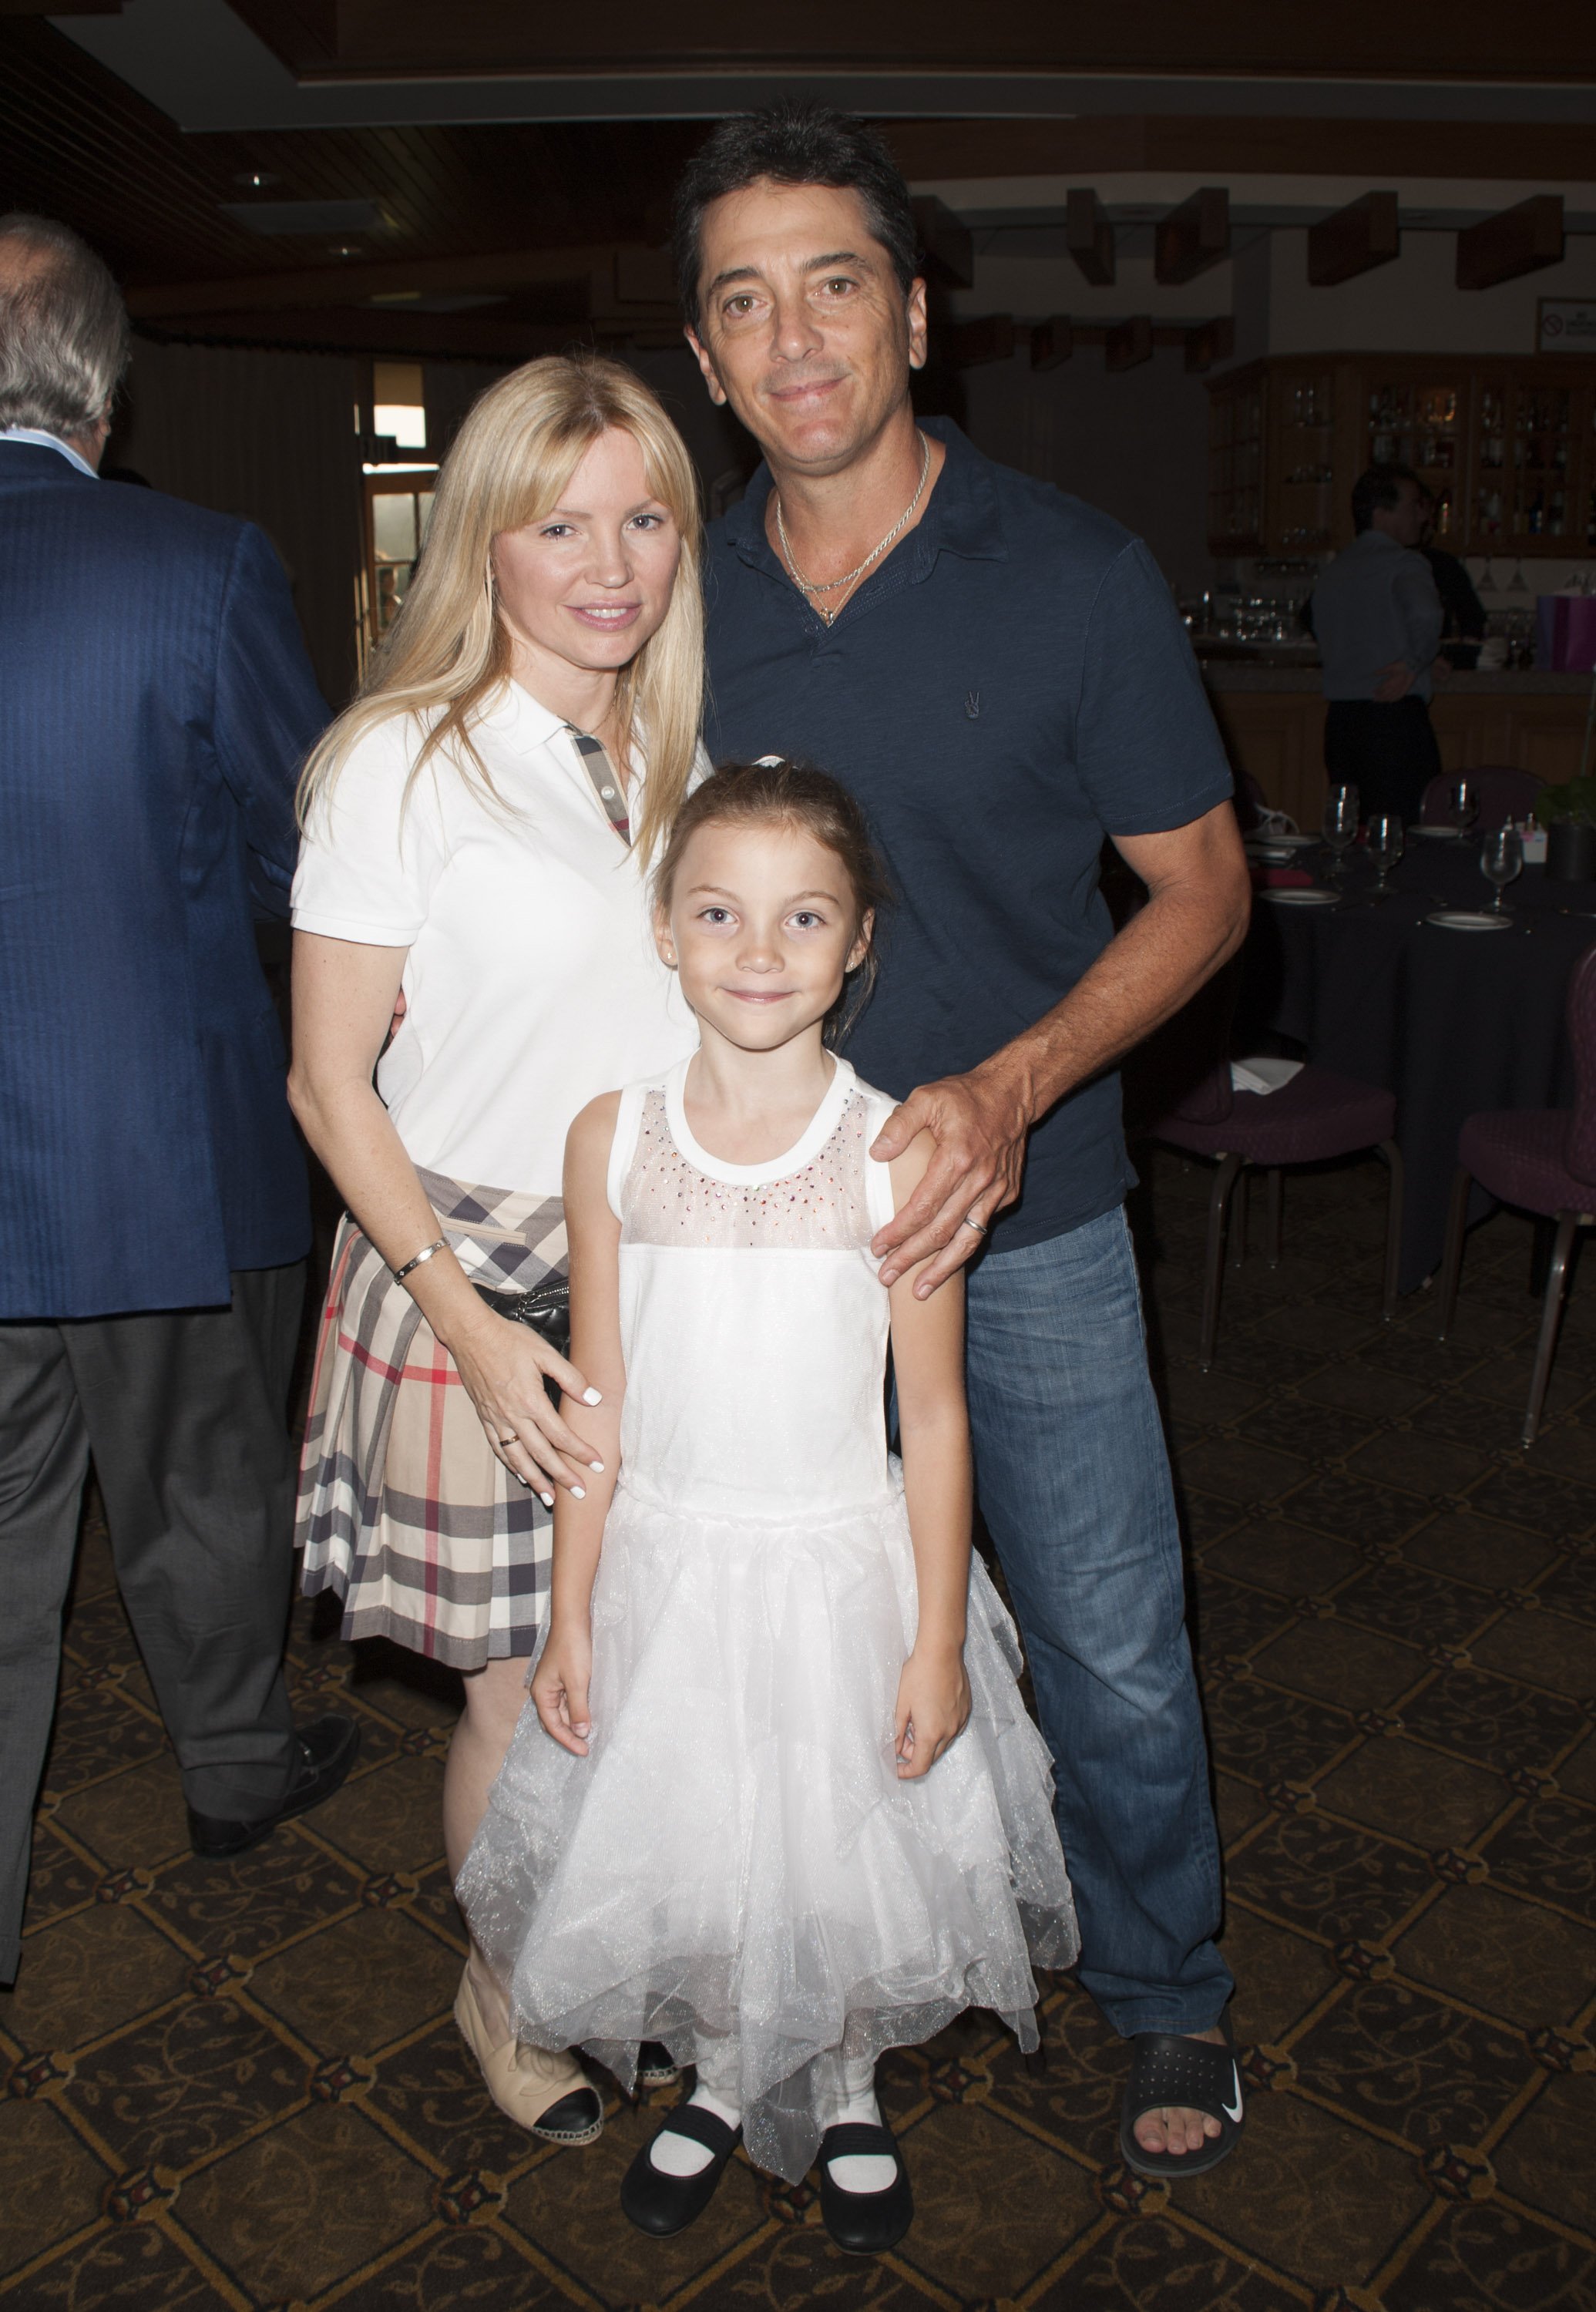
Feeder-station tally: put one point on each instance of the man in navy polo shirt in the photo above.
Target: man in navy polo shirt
(997, 672)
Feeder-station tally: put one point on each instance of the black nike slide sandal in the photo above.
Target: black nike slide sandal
(1166, 2070)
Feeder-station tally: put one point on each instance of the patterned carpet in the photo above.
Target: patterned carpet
(238, 2085)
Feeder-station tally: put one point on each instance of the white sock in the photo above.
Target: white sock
(682, 2155)
(852, 2098)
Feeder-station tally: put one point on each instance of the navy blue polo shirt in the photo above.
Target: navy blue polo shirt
(1012, 684)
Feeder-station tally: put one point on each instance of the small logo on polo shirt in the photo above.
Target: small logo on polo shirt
(972, 705)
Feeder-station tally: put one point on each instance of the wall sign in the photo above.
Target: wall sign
(1566, 324)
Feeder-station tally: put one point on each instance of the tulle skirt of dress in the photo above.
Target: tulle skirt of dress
(736, 1859)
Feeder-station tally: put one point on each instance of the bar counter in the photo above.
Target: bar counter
(1270, 710)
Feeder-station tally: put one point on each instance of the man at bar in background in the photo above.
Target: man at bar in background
(1377, 617)
(1463, 619)
(998, 673)
(155, 704)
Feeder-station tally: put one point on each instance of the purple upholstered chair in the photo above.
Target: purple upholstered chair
(1314, 1117)
(1501, 792)
(1542, 1160)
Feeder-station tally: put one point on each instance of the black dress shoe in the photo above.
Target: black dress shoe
(663, 2204)
(865, 2223)
(327, 1747)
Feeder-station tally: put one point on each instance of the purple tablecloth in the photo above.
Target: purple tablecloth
(1452, 1022)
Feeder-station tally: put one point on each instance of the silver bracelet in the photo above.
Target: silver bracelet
(399, 1274)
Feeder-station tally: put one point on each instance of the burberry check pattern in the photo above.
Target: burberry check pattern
(403, 1508)
(608, 789)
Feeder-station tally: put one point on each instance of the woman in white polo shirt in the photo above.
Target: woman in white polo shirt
(478, 827)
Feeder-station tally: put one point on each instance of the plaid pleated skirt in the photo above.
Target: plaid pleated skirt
(403, 1508)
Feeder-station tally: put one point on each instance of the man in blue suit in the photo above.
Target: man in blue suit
(155, 702)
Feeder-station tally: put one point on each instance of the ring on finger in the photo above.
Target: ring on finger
(971, 1221)
(512, 1439)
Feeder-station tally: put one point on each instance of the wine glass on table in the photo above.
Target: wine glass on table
(1463, 807)
(1387, 843)
(1339, 824)
(1502, 862)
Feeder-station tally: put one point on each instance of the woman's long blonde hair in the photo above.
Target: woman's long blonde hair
(448, 650)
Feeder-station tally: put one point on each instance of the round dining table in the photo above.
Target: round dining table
(1452, 1019)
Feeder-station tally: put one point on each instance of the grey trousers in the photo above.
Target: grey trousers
(185, 1414)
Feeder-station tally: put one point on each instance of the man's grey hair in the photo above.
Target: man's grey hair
(63, 330)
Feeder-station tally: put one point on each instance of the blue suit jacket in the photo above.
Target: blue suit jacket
(155, 705)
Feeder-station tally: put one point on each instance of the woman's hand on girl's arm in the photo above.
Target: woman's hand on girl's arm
(560, 1682)
(345, 995)
(933, 1428)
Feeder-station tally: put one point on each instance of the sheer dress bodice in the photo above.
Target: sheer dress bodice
(753, 1325)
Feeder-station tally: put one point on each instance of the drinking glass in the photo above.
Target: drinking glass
(1387, 843)
(1463, 807)
(1501, 860)
(1340, 822)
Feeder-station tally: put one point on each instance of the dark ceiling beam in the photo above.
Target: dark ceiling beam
(1364, 235)
(1052, 342)
(1360, 39)
(1210, 342)
(352, 284)
(1193, 237)
(968, 344)
(1370, 152)
(1129, 344)
(1517, 241)
(946, 243)
(1089, 236)
(449, 336)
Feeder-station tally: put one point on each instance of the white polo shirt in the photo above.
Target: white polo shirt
(531, 979)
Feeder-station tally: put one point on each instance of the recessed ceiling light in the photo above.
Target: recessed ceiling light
(254, 181)
(343, 249)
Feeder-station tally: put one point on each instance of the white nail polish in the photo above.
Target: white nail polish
(546, 1499)
(597, 1468)
(591, 1397)
(577, 1494)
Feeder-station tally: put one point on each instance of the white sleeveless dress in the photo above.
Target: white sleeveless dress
(735, 1868)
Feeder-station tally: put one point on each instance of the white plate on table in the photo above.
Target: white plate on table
(1280, 842)
(1468, 919)
(1437, 834)
(1311, 897)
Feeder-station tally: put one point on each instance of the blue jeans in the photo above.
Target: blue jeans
(1074, 1480)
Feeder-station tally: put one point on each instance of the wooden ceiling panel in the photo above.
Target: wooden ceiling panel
(1361, 38)
(1215, 146)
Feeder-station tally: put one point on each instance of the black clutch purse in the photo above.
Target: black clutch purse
(546, 1309)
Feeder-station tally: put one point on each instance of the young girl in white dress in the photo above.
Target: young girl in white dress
(779, 1805)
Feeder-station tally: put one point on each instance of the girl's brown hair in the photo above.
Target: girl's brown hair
(774, 792)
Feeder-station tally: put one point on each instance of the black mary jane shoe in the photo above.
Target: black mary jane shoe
(1167, 2070)
(864, 2223)
(663, 2204)
(657, 2067)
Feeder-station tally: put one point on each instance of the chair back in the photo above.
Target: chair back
(1580, 1148)
(1184, 1067)
(1502, 793)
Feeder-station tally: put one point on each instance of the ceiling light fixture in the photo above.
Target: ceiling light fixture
(254, 181)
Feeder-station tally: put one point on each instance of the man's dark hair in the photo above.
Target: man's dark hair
(1379, 488)
(793, 143)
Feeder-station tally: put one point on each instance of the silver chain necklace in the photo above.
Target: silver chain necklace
(832, 585)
